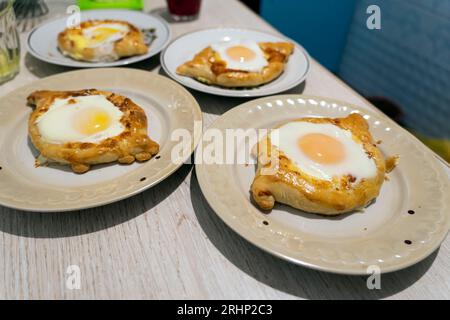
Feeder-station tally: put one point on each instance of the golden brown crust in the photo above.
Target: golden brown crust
(289, 185)
(132, 44)
(208, 68)
(132, 144)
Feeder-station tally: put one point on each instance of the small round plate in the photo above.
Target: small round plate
(387, 235)
(168, 107)
(42, 41)
(187, 46)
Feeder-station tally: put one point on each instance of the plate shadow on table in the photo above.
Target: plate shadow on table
(209, 102)
(42, 69)
(290, 278)
(68, 224)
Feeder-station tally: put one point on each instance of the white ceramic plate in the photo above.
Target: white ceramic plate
(168, 107)
(386, 235)
(42, 41)
(185, 47)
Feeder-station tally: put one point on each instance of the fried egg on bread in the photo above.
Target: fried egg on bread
(238, 63)
(88, 127)
(320, 165)
(102, 41)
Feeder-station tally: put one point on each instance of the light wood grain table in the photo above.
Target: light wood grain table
(167, 242)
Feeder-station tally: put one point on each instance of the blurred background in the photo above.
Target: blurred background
(403, 68)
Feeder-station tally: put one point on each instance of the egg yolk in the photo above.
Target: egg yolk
(92, 121)
(101, 34)
(79, 41)
(241, 53)
(322, 148)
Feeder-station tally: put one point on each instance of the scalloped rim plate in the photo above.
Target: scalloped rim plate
(52, 189)
(42, 40)
(385, 235)
(296, 70)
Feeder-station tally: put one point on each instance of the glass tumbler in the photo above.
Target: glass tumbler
(9, 42)
(184, 10)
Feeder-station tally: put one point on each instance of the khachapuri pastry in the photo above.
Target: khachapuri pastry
(235, 64)
(102, 41)
(88, 127)
(320, 165)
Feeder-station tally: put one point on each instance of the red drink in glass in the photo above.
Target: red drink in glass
(184, 9)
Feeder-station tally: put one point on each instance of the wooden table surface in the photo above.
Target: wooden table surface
(167, 242)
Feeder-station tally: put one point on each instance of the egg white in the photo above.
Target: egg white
(255, 65)
(104, 50)
(357, 163)
(121, 32)
(57, 124)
